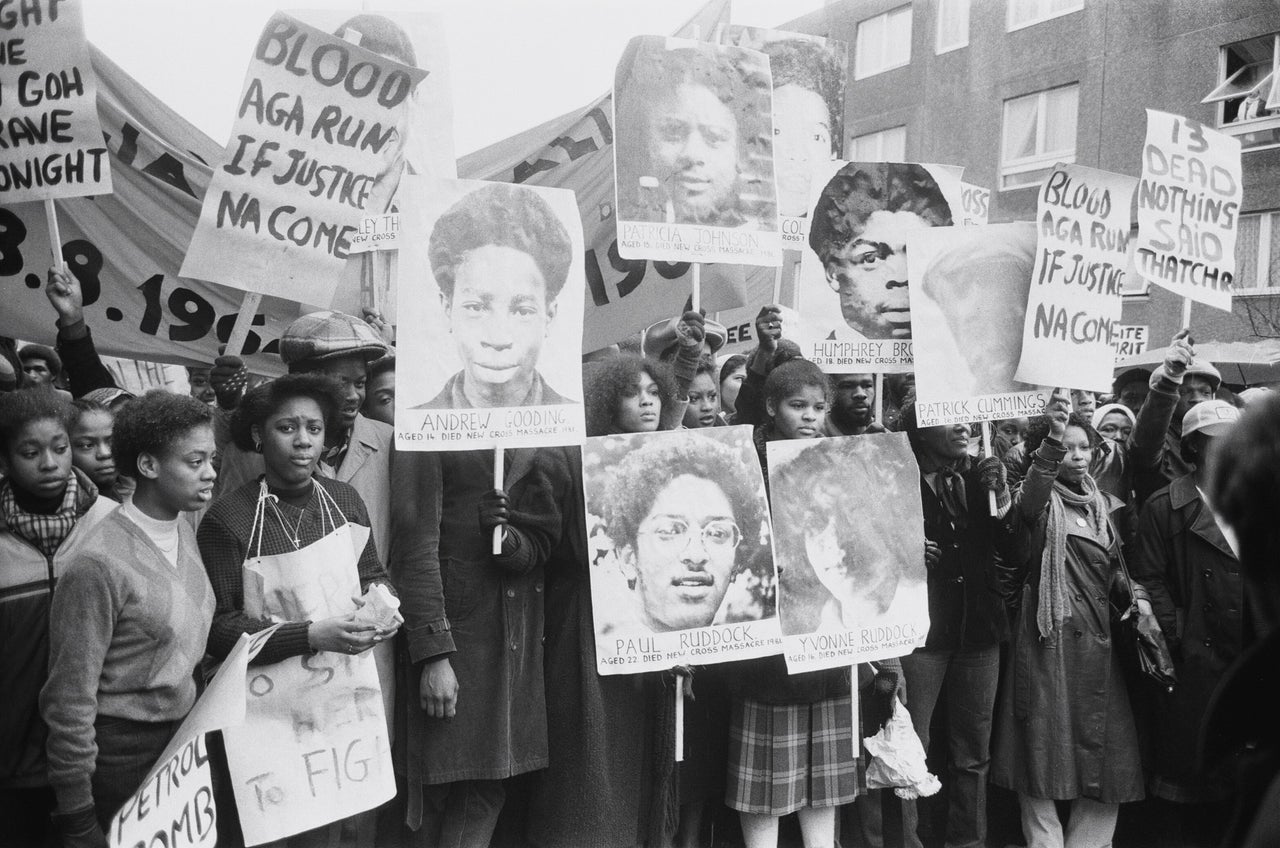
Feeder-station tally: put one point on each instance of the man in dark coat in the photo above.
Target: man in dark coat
(1187, 560)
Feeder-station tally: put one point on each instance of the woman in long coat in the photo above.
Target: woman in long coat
(1066, 730)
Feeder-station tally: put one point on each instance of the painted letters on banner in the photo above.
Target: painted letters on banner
(51, 142)
(1188, 208)
(679, 539)
(490, 317)
(975, 205)
(317, 144)
(855, 312)
(1130, 339)
(850, 549)
(174, 805)
(1082, 254)
(969, 288)
(694, 153)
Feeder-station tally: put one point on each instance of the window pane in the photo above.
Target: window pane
(882, 42)
(1247, 251)
(1020, 127)
(1060, 120)
(953, 24)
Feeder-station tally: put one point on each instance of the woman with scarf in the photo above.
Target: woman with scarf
(47, 509)
(1066, 730)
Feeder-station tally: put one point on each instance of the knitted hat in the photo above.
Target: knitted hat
(106, 397)
(327, 335)
(39, 351)
(1106, 409)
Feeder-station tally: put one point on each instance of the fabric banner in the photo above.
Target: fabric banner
(50, 139)
(681, 560)
(1081, 258)
(1130, 339)
(969, 289)
(313, 748)
(862, 214)
(1188, 208)
(975, 205)
(174, 805)
(575, 151)
(694, 153)
(490, 324)
(318, 140)
(850, 549)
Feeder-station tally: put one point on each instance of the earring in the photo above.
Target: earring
(257, 447)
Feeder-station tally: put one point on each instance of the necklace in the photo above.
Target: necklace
(294, 534)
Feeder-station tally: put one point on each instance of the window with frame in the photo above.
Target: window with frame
(1257, 252)
(882, 43)
(884, 146)
(1025, 13)
(1248, 91)
(1039, 130)
(953, 25)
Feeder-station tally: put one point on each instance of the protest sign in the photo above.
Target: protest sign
(1188, 208)
(850, 549)
(1130, 339)
(51, 142)
(681, 562)
(174, 805)
(377, 232)
(313, 748)
(969, 289)
(809, 78)
(855, 260)
(694, 153)
(491, 326)
(1082, 254)
(975, 205)
(317, 144)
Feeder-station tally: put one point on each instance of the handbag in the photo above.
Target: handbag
(1140, 635)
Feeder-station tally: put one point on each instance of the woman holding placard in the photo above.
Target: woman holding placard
(1066, 730)
(130, 619)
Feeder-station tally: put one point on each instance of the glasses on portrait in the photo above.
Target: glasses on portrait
(669, 530)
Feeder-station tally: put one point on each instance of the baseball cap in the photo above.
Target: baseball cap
(326, 335)
(1211, 417)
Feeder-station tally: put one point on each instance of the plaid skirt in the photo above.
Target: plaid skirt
(783, 757)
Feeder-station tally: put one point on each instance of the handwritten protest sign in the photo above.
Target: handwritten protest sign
(855, 313)
(681, 564)
(51, 142)
(377, 232)
(1130, 339)
(316, 145)
(969, 289)
(1081, 256)
(694, 153)
(975, 204)
(490, 318)
(850, 531)
(174, 805)
(1188, 208)
(313, 748)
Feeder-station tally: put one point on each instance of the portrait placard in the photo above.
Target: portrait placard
(490, 316)
(1189, 208)
(1082, 219)
(693, 153)
(319, 142)
(855, 312)
(681, 556)
(850, 549)
(51, 142)
(969, 289)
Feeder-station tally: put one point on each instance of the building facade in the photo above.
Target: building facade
(1007, 88)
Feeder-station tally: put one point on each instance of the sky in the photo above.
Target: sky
(513, 63)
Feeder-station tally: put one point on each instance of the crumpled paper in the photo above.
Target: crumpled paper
(898, 760)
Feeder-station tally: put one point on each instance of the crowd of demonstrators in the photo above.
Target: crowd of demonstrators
(504, 732)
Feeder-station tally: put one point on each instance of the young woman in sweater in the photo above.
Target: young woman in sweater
(130, 619)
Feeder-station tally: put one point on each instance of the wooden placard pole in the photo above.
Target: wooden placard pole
(244, 321)
(55, 236)
(986, 451)
(679, 694)
(498, 474)
(697, 286)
